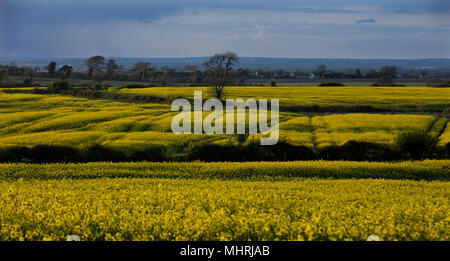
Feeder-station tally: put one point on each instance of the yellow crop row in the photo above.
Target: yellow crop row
(445, 137)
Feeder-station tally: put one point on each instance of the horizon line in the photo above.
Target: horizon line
(193, 57)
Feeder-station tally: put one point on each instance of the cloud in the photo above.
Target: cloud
(174, 28)
(416, 6)
(51, 11)
(273, 18)
(366, 21)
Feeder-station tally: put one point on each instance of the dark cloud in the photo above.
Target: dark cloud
(82, 27)
(61, 12)
(365, 21)
(415, 6)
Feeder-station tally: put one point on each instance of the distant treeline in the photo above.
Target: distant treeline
(98, 69)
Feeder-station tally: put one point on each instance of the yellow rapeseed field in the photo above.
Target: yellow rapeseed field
(315, 200)
(407, 98)
(31, 119)
(178, 209)
(226, 201)
(445, 137)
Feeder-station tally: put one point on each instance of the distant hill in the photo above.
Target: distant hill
(288, 64)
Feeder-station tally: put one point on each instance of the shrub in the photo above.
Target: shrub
(38, 90)
(251, 151)
(416, 144)
(210, 152)
(254, 151)
(40, 154)
(331, 152)
(359, 151)
(199, 85)
(437, 82)
(59, 85)
(272, 82)
(384, 80)
(98, 86)
(241, 138)
(14, 154)
(53, 153)
(447, 150)
(434, 82)
(27, 82)
(445, 84)
(97, 152)
(331, 84)
(153, 154)
(134, 86)
(283, 151)
(367, 151)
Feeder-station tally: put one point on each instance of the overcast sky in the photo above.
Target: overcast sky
(261, 28)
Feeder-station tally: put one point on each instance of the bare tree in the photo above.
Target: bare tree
(220, 66)
(321, 70)
(142, 68)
